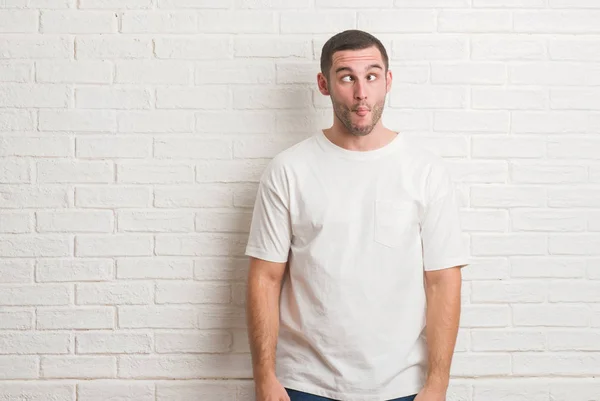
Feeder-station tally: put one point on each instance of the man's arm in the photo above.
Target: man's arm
(442, 288)
(262, 313)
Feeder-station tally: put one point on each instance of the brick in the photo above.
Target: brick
(230, 171)
(200, 245)
(552, 73)
(154, 268)
(574, 244)
(271, 47)
(431, 3)
(111, 4)
(503, 340)
(114, 147)
(574, 291)
(265, 148)
(508, 99)
(50, 4)
(576, 391)
(76, 171)
(193, 48)
(16, 271)
(235, 72)
(113, 245)
(575, 99)
(158, 22)
(17, 120)
(202, 97)
(40, 95)
(78, 120)
(508, 244)
(297, 73)
(157, 72)
(156, 121)
(277, 98)
(35, 343)
(78, 367)
(112, 196)
(317, 22)
(75, 318)
(221, 317)
(574, 49)
(209, 221)
(429, 47)
(55, 146)
(516, 389)
(241, 342)
(547, 173)
(239, 293)
(75, 221)
(546, 267)
(113, 47)
(505, 196)
(101, 390)
(195, 4)
(547, 220)
(35, 245)
(437, 97)
(113, 343)
(157, 317)
(15, 71)
(113, 293)
(43, 294)
(196, 342)
(510, 3)
(36, 47)
(186, 366)
(18, 21)
(93, 72)
(37, 390)
(19, 197)
(503, 147)
(177, 292)
(508, 292)
(473, 73)
(16, 320)
(150, 221)
(395, 21)
(471, 121)
(354, 4)
(486, 269)
(65, 270)
(573, 340)
(480, 365)
(476, 21)
(508, 48)
(190, 390)
(18, 367)
(155, 173)
(196, 196)
(442, 145)
(191, 147)
(563, 364)
(583, 197)
(237, 21)
(14, 171)
(112, 98)
(236, 122)
(551, 315)
(485, 171)
(563, 21)
(78, 21)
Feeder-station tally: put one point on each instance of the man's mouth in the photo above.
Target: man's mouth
(362, 111)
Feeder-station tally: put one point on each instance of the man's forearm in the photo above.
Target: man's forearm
(443, 315)
(263, 324)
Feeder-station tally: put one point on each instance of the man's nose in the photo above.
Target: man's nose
(359, 90)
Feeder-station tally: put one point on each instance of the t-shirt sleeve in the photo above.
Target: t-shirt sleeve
(270, 229)
(441, 235)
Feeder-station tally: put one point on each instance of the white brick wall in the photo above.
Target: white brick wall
(133, 132)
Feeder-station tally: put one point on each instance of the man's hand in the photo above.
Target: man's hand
(431, 394)
(269, 389)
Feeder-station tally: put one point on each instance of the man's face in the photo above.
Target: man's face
(357, 85)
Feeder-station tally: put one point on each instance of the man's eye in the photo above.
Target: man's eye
(371, 77)
(347, 78)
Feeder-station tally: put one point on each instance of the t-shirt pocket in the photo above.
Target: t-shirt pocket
(395, 222)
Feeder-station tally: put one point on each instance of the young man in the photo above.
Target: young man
(368, 308)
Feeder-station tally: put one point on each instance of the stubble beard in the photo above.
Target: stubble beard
(344, 114)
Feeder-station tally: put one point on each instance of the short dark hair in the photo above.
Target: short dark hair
(352, 39)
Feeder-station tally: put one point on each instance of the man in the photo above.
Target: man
(368, 308)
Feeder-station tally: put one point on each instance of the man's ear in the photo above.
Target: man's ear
(322, 83)
(389, 82)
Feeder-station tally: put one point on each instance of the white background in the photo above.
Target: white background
(133, 132)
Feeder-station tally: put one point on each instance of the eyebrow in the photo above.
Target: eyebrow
(351, 70)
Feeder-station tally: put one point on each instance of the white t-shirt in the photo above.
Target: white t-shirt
(357, 228)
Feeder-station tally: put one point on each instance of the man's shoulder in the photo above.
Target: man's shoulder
(290, 158)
